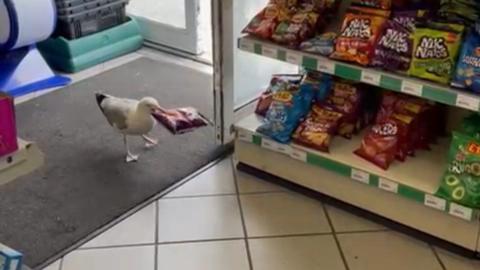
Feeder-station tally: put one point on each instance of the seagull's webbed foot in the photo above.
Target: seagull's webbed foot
(149, 142)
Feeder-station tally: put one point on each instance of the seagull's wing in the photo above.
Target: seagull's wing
(117, 111)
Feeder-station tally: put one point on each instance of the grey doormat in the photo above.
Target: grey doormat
(85, 183)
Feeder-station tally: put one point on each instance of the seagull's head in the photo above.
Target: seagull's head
(149, 104)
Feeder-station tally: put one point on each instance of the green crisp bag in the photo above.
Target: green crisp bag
(435, 52)
(461, 181)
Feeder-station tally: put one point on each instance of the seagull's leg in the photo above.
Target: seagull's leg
(149, 142)
(130, 157)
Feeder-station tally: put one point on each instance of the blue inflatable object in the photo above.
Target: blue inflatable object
(25, 71)
(22, 68)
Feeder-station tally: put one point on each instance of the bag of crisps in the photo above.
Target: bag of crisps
(461, 181)
(346, 98)
(286, 111)
(394, 48)
(278, 82)
(435, 52)
(265, 22)
(357, 39)
(380, 144)
(467, 74)
(318, 129)
(294, 30)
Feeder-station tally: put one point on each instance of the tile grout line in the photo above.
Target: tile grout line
(244, 226)
(156, 235)
(228, 239)
(222, 194)
(335, 237)
(435, 253)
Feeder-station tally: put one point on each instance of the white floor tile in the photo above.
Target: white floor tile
(456, 262)
(214, 181)
(53, 266)
(125, 258)
(221, 255)
(251, 184)
(137, 229)
(276, 214)
(386, 250)
(296, 253)
(343, 221)
(199, 219)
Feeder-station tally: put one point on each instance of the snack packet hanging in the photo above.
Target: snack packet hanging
(359, 34)
(435, 53)
(323, 44)
(287, 109)
(461, 181)
(318, 129)
(394, 49)
(467, 74)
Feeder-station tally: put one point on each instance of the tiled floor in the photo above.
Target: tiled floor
(228, 220)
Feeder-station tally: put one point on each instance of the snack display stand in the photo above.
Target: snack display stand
(25, 160)
(403, 196)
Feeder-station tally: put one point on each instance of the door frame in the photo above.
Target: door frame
(223, 71)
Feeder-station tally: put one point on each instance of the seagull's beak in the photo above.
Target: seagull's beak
(159, 109)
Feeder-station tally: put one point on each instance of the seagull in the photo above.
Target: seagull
(130, 117)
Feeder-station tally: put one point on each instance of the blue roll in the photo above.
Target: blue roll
(25, 22)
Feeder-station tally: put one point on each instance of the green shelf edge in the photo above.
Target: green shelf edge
(394, 82)
(404, 191)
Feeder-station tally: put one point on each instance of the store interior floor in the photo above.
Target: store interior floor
(225, 219)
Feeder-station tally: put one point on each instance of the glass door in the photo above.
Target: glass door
(170, 23)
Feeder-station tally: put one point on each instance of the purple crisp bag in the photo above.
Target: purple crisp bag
(394, 48)
(182, 120)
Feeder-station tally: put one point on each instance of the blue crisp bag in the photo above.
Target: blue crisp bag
(319, 83)
(286, 111)
(467, 74)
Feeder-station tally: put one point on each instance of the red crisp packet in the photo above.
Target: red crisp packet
(182, 120)
(380, 145)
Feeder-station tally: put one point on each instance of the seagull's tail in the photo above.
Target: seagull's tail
(100, 98)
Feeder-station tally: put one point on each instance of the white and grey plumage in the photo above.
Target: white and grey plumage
(130, 117)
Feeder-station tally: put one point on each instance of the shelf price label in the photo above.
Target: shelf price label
(388, 185)
(276, 147)
(246, 45)
(299, 155)
(467, 102)
(435, 202)
(294, 58)
(269, 52)
(371, 77)
(283, 148)
(461, 211)
(326, 66)
(360, 176)
(244, 136)
(412, 88)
